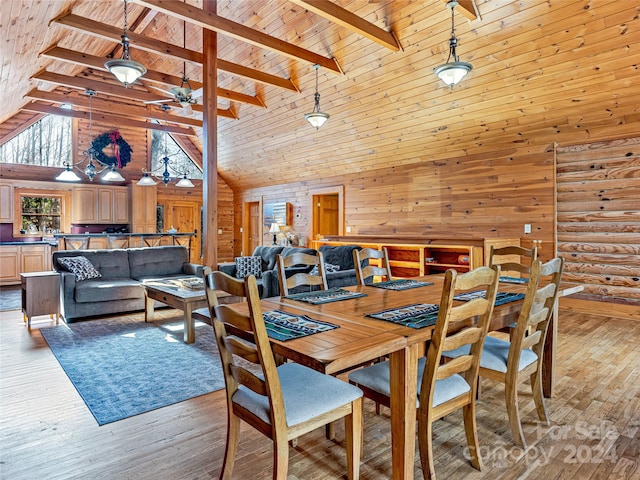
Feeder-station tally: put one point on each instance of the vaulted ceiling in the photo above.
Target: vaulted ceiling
(543, 72)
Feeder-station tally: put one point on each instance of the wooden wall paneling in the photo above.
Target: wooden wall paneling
(598, 218)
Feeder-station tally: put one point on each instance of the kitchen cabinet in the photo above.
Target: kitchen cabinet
(143, 208)
(99, 204)
(6, 203)
(17, 259)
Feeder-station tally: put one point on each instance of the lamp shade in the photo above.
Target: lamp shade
(146, 181)
(184, 182)
(451, 73)
(316, 119)
(113, 176)
(275, 228)
(68, 175)
(126, 71)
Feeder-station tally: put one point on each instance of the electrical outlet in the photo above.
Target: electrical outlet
(348, 229)
(527, 228)
(219, 231)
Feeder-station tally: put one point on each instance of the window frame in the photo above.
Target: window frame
(65, 208)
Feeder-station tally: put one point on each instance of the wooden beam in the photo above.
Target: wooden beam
(108, 32)
(91, 61)
(345, 18)
(211, 21)
(468, 8)
(115, 90)
(105, 118)
(99, 105)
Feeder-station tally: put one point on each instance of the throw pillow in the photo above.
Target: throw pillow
(80, 266)
(328, 268)
(246, 266)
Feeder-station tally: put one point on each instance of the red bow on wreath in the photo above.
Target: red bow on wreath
(114, 137)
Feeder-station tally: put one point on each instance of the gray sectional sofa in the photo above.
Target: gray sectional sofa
(119, 288)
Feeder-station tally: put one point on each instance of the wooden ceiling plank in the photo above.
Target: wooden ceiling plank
(105, 118)
(108, 32)
(91, 61)
(211, 21)
(345, 18)
(98, 105)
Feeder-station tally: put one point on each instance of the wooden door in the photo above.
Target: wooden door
(185, 217)
(251, 233)
(326, 214)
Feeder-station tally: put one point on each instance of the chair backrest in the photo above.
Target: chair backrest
(455, 327)
(362, 273)
(153, 241)
(117, 241)
(537, 310)
(513, 259)
(241, 358)
(301, 279)
(76, 243)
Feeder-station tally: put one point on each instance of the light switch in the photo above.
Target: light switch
(527, 228)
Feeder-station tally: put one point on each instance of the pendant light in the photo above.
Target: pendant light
(452, 72)
(124, 69)
(316, 118)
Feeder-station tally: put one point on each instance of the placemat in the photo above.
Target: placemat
(325, 296)
(285, 326)
(501, 297)
(513, 280)
(416, 315)
(401, 284)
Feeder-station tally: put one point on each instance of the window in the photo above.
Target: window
(180, 163)
(40, 211)
(46, 143)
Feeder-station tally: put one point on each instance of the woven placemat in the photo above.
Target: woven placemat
(284, 326)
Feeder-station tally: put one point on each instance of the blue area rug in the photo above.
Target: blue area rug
(121, 369)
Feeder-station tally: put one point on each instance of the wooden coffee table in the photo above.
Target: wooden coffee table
(173, 294)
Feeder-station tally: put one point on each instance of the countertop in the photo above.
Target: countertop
(53, 243)
(177, 234)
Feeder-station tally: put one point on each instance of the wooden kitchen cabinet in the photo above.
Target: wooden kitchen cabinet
(143, 209)
(17, 259)
(99, 204)
(6, 203)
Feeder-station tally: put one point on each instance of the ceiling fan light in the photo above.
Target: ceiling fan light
(316, 119)
(113, 176)
(126, 71)
(68, 175)
(451, 73)
(184, 182)
(146, 181)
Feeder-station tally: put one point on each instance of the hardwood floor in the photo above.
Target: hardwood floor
(47, 432)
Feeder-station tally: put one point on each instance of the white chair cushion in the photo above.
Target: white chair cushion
(377, 378)
(495, 354)
(307, 394)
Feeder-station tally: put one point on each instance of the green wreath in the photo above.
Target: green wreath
(121, 149)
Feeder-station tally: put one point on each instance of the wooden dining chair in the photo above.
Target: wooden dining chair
(117, 241)
(299, 259)
(363, 273)
(445, 387)
(509, 362)
(152, 241)
(281, 402)
(513, 259)
(81, 242)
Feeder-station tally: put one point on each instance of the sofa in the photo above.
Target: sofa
(122, 273)
(342, 257)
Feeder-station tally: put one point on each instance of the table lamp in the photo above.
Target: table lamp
(275, 229)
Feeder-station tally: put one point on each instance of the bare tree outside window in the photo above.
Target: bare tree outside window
(180, 163)
(46, 143)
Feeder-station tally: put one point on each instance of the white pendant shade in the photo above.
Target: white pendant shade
(68, 175)
(113, 176)
(451, 73)
(126, 71)
(184, 182)
(146, 181)
(316, 119)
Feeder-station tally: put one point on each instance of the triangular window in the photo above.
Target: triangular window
(180, 162)
(46, 143)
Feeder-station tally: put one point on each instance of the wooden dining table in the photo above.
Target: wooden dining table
(360, 339)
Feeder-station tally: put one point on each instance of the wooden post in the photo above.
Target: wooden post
(210, 142)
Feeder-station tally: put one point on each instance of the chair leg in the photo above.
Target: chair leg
(511, 394)
(233, 431)
(330, 431)
(280, 459)
(538, 396)
(471, 432)
(425, 442)
(353, 431)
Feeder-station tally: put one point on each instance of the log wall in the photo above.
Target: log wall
(598, 209)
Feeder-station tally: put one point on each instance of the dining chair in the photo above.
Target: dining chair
(81, 242)
(513, 259)
(152, 241)
(445, 387)
(117, 241)
(282, 402)
(299, 259)
(510, 361)
(363, 273)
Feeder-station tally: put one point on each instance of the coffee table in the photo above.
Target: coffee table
(171, 292)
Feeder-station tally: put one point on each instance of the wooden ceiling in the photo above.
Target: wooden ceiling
(543, 72)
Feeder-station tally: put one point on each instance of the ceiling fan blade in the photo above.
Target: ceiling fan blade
(166, 92)
(164, 100)
(197, 93)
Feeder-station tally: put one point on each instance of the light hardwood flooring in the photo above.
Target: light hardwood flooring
(46, 432)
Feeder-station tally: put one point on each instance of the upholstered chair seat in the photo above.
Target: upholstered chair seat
(495, 354)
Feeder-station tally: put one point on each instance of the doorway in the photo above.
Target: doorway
(327, 207)
(251, 227)
(185, 217)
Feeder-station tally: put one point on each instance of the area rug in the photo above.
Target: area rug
(121, 369)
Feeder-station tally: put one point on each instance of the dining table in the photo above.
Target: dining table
(360, 338)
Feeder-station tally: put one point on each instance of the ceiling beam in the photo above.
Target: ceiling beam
(211, 21)
(91, 61)
(468, 8)
(98, 105)
(105, 118)
(108, 32)
(114, 90)
(345, 18)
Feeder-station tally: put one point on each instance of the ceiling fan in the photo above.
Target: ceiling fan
(184, 95)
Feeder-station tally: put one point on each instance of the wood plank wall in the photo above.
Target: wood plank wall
(598, 188)
(486, 195)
